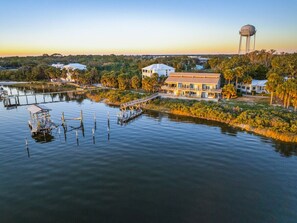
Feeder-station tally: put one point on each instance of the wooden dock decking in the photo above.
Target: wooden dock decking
(132, 109)
(138, 102)
(14, 100)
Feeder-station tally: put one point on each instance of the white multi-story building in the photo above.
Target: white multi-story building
(200, 85)
(70, 68)
(257, 86)
(160, 69)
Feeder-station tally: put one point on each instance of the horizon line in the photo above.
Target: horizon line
(116, 54)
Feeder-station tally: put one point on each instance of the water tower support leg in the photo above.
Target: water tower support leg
(239, 48)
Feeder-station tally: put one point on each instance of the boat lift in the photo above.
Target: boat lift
(40, 121)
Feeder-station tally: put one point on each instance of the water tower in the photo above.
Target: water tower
(247, 31)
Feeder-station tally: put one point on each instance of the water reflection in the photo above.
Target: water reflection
(43, 138)
(225, 129)
(28, 151)
(286, 149)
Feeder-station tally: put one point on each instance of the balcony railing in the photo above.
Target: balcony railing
(165, 87)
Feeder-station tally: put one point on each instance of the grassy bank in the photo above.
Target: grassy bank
(114, 97)
(262, 119)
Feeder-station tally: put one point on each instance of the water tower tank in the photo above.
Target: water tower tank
(247, 30)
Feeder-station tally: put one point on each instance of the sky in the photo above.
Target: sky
(35, 27)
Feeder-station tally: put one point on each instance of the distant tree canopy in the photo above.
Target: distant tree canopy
(255, 65)
(24, 68)
(124, 72)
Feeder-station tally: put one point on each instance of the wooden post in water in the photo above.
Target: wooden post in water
(35, 99)
(81, 116)
(26, 96)
(63, 119)
(82, 123)
(93, 134)
(108, 123)
(76, 134)
(95, 125)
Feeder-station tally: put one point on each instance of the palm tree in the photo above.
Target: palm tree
(229, 75)
(229, 91)
(239, 73)
(274, 80)
(76, 72)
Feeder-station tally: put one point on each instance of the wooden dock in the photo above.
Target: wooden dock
(138, 102)
(14, 100)
(132, 109)
(126, 116)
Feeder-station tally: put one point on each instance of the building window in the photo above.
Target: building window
(248, 88)
(254, 88)
(243, 87)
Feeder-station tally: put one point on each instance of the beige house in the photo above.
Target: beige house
(201, 85)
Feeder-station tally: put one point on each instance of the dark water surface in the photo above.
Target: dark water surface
(158, 168)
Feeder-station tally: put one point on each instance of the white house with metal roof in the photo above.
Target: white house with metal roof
(70, 68)
(160, 69)
(257, 86)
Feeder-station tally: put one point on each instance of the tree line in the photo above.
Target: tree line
(279, 69)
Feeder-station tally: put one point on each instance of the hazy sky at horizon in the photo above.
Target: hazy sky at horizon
(34, 27)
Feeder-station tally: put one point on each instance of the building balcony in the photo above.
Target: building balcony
(188, 88)
(166, 87)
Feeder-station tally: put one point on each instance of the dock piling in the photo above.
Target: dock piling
(95, 122)
(81, 117)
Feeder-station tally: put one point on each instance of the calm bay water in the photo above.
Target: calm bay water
(158, 168)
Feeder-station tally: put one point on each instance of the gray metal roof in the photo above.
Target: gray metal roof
(37, 109)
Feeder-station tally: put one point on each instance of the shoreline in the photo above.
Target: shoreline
(284, 137)
(222, 116)
(217, 114)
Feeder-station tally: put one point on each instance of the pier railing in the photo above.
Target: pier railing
(14, 100)
(138, 102)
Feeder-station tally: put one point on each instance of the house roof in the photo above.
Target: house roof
(158, 67)
(260, 83)
(37, 109)
(58, 65)
(195, 78)
(74, 66)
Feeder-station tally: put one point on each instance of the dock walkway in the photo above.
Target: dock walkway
(132, 109)
(138, 102)
(14, 99)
